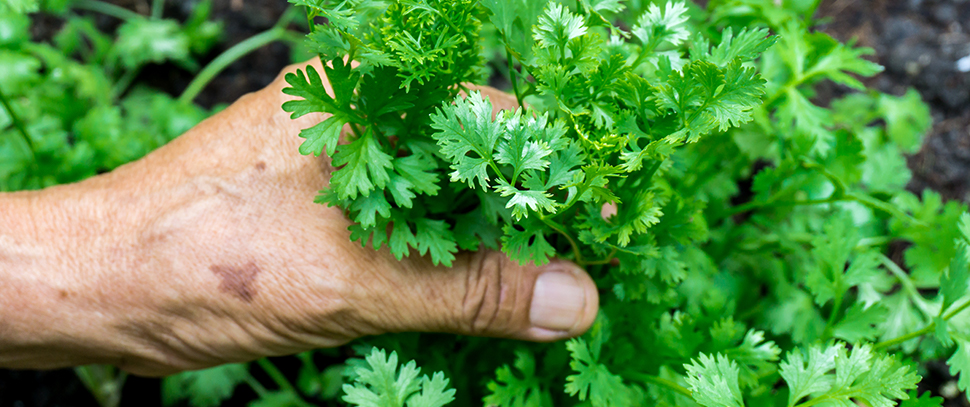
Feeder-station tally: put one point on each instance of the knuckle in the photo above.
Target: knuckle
(488, 307)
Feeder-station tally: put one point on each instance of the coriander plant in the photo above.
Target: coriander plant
(738, 224)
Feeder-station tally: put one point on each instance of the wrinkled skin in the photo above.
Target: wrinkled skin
(210, 250)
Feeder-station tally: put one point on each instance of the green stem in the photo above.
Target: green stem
(256, 386)
(276, 375)
(670, 384)
(17, 123)
(158, 7)
(777, 204)
(106, 9)
(124, 82)
(552, 225)
(105, 383)
(512, 77)
(928, 329)
(907, 284)
(227, 58)
(606, 260)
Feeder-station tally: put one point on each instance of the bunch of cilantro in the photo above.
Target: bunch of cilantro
(747, 259)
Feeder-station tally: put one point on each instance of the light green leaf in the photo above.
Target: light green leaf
(714, 381)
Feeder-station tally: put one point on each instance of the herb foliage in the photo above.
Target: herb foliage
(746, 261)
(747, 256)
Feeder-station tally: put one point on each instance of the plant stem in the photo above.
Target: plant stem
(124, 82)
(104, 382)
(929, 328)
(836, 306)
(256, 386)
(17, 123)
(512, 77)
(552, 225)
(106, 9)
(227, 58)
(907, 284)
(158, 7)
(777, 204)
(276, 375)
(670, 384)
(606, 260)
(278, 32)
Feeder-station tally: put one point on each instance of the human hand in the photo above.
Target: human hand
(210, 250)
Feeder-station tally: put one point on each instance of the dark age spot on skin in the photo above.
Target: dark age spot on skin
(63, 293)
(237, 281)
(260, 166)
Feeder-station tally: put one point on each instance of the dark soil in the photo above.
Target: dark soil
(918, 41)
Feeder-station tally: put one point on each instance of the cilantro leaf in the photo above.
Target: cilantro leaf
(955, 283)
(362, 167)
(142, 41)
(959, 364)
(557, 26)
(380, 382)
(592, 379)
(713, 381)
(510, 390)
(204, 388)
(467, 128)
(658, 26)
(527, 242)
(434, 236)
(323, 136)
(859, 375)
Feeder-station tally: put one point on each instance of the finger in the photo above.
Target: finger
(486, 294)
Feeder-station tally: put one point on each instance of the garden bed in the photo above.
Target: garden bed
(920, 42)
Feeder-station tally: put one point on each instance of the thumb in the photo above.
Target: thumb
(487, 294)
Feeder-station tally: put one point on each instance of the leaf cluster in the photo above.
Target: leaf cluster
(738, 230)
(69, 110)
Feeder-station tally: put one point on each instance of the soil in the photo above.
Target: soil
(924, 44)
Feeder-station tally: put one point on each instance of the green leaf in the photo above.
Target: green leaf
(959, 364)
(203, 388)
(141, 41)
(714, 383)
(522, 146)
(860, 323)
(907, 119)
(20, 6)
(557, 26)
(307, 85)
(859, 376)
(380, 383)
(463, 129)
(435, 236)
(658, 26)
(924, 400)
(955, 283)
(323, 136)
(592, 379)
(748, 45)
(362, 168)
(524, 201)
(526, 241)
(523, 389)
